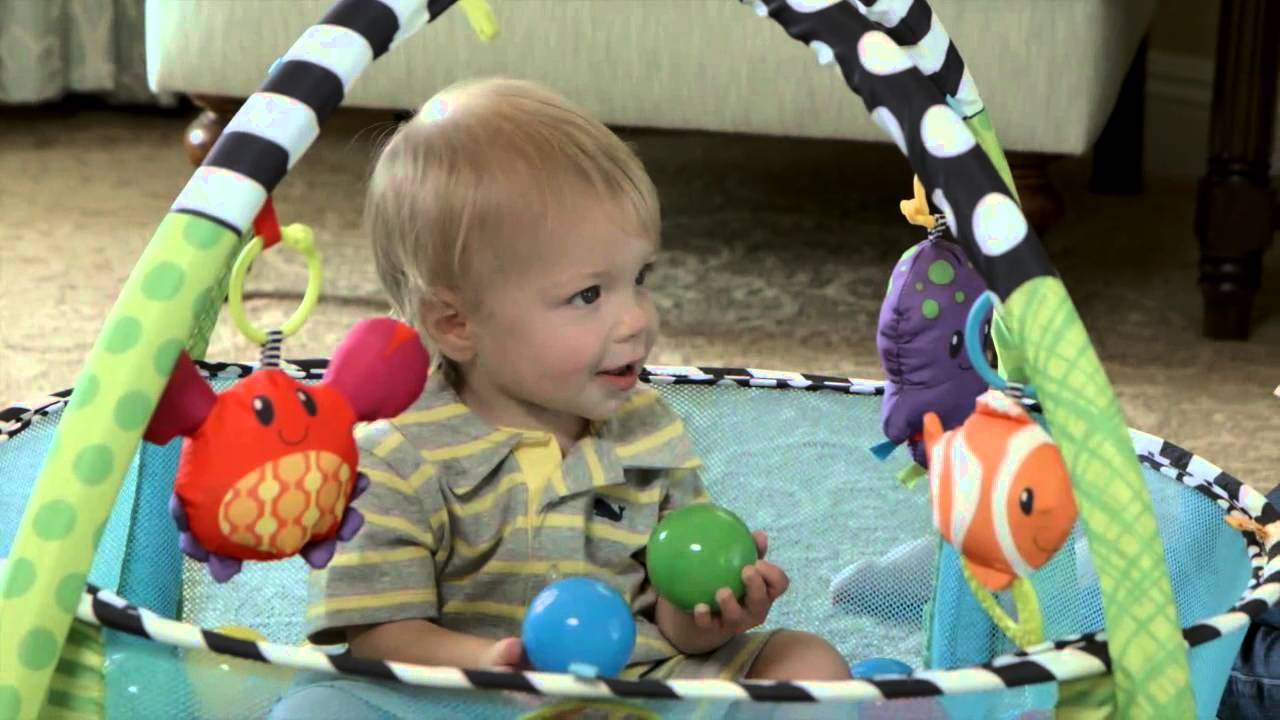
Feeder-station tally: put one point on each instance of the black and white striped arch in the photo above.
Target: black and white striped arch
(279, 122)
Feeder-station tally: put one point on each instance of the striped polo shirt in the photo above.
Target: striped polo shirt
(466, 522)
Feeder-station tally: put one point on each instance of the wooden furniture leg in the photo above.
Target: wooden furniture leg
(1235, 203)
(1041, 202)
(204, 131)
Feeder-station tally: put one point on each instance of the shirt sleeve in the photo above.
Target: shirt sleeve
(387, 572)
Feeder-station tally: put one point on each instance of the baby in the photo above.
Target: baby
(517, 233)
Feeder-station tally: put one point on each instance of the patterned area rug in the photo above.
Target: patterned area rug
(777, 256)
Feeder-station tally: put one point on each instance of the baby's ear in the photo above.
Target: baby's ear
(449, 325)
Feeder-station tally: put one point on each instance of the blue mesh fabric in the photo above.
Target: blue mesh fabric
(795, 464)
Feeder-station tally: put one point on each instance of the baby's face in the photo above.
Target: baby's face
(568, 320)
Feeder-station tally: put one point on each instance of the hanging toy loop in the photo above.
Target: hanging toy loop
(297, 237)
(1028, 629)
(981, 310)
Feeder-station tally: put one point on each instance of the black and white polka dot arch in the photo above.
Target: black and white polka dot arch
(897, 58)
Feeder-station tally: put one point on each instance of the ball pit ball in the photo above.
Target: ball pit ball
(871, 667)
(696, 550)
(579, 625)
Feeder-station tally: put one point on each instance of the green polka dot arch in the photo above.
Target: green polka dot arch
(163, 281)
(10, 701)
(93, 464)
(70, 588)
(39, 649)
(55, 520)
(123, 335)
(155, 316)
(86, 391)
(132, 411)
(18, 576)
(167, 355)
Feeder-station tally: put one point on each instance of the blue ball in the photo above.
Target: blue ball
(579, 625)
(879, 666)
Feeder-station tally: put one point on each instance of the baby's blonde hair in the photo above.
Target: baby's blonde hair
(483, 161)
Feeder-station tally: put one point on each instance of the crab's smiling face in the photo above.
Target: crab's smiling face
(269, 415)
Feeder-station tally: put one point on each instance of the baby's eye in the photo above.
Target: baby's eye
(587, 296)
(644, 274)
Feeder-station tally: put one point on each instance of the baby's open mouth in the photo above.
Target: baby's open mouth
(622, 370)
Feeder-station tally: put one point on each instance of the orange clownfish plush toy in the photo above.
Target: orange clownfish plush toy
(1001, 493)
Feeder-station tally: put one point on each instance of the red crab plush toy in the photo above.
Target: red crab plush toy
(268, 468)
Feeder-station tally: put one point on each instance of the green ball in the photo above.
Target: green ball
(697, 550)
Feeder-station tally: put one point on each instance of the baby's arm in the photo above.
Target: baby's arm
(380, 592)
(424, 643)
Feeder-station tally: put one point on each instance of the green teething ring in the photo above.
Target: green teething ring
(300, 238)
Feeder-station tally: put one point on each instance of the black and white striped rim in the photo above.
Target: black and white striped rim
(16, 418)
(1057, 661)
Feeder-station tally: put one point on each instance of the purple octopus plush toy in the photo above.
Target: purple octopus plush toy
(921, 342)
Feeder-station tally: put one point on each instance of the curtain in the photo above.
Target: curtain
(53, 48)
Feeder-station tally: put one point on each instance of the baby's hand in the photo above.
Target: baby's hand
(765, 583)
(505, 654)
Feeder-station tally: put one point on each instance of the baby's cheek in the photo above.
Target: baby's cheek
(568, 354)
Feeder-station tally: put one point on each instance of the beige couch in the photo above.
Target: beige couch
(1050, 70)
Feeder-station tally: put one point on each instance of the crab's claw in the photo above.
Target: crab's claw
(184, 405)
(380, 367)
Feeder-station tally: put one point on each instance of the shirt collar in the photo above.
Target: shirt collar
(644, 434)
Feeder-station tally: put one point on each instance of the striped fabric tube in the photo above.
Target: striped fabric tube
(271, 349)
(280, 121)
(920, 33)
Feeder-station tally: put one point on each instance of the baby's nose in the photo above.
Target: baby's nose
(635, 321)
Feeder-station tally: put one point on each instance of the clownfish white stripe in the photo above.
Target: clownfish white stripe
(935, 478)
(1020, 446)
(966, 493)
